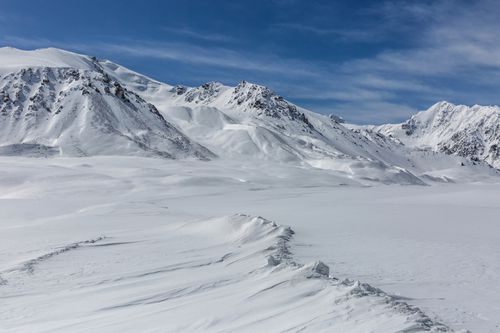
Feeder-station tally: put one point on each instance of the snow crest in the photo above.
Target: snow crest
(281, 257)
(239, 274)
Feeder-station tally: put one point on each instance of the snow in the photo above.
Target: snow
(254, 214)
(12, 59)
(86, 242)
(54, 102)
(75, 112)
(470, 131)
(250, 121)
(435, 247)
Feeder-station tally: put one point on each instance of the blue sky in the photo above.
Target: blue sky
(369, 61)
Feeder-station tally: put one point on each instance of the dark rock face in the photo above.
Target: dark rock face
(465, 144)
(75, 107)
(248, 96)
(471, 132)
(179, 90)
(204, 94)
(336, 119)
(409, 127)
(36, 89)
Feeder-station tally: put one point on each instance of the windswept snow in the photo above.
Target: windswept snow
(126, 257)
(163, 245)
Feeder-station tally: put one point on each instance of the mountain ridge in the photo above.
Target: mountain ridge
(78, 111)
(71, 104)
(454, 129)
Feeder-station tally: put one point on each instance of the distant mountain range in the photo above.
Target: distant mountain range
(472, 132)
(54, 102)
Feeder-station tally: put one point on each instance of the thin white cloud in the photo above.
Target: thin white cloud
(454, 40)
(370, 112)
(212, 56)
(324, 82)
(455, 56)
(188, 32)
(345, 34)
(179, 52)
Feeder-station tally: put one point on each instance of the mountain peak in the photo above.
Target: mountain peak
(441, 104)
(454, 129)
(204, 94)
(64, 103)
(12, 59)
(242, 84)
(246, 97)
(265, 101)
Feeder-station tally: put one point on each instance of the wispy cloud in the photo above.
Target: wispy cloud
(454, 55)
(343, 34)
(456, 38)
(180, 52)
(29, 43)
(314, 83)
(189, 32)
(211, 56)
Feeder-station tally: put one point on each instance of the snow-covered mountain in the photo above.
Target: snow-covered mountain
(472, 132)
(57, 102)
(251, 122)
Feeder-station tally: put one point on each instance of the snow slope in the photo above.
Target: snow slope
(249, 121)
(47, 108)
(252, 121)
(102, 244)
(13, 60)
(472, 132)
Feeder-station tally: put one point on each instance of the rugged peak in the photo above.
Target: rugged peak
(455, 129)
(254, 90)
(336, 119)
(245, 84)
(265, 101)
(205, 93)
(211, 86)
(83, 111)
(179, 89)
(442, 104)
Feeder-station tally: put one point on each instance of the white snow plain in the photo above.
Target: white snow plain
(127, 244)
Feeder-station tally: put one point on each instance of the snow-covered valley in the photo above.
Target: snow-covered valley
(130, 243)
(129, 204)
